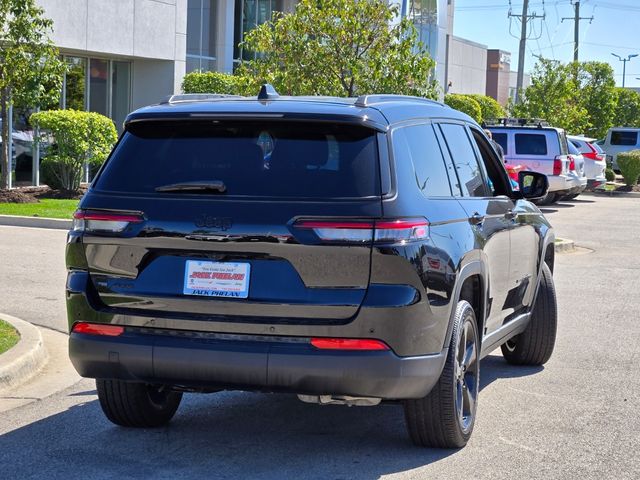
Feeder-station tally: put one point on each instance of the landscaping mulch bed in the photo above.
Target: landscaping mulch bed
(628, 188)
(33, 194)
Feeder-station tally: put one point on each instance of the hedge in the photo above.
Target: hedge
(74, 138)
(216, 82)
(465, 104)
(629, 165)
(489, 107)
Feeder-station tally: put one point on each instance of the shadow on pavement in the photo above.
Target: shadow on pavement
(232, 435)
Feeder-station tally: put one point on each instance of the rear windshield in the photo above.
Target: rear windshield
(531, 144)
(620, 137)
(272, 159)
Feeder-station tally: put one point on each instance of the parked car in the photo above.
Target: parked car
(620, 139)
(576, 170)
(540, 148)
(374, 252)
(594, 160)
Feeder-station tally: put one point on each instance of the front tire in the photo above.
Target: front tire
(535, 345)
(445, 417)
(137, 404)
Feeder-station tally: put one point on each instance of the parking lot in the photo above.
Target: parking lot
(574, 418)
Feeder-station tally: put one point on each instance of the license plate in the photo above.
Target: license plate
(216, 279)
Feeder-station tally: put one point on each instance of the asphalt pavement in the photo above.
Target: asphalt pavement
(576, 417)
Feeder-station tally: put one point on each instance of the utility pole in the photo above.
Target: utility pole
(576, 27)
(524, 18)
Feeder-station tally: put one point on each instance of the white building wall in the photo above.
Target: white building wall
(467, 66)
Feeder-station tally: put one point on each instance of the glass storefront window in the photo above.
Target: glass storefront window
(120, 92)
(201, 34)
(248, 15)
(74, 85)
(98, 93)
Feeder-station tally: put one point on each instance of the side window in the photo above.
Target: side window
(501, 139)
(470, 178)
(419, 143)
(531, 143)
(493, 167)
(622, 137)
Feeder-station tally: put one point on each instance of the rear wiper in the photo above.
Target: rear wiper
(213, 186)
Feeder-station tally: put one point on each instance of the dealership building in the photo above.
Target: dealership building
(125, 54)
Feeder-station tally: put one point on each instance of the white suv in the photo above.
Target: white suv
(539, 148)
(620, 139)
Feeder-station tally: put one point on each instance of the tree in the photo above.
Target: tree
(341, 48)
(552, 96)
(75, 138)
(627, 112)
(595, 91)
(30, 70)
(466, 104)
(489, 106)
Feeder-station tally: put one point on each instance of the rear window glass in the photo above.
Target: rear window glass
(274, 159)
(531, 144)
(619, 137)
(500, 139)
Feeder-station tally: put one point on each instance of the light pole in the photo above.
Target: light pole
(624, 64)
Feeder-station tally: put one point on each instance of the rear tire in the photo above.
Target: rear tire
(137, 404)
(548, 199)
(535, 345)
(445, 417)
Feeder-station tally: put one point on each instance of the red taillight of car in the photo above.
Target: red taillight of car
(367, 231)
(592, 153)
(558, 166)
(572, 163)
(348, 344)
(98, 329)
(103, 221)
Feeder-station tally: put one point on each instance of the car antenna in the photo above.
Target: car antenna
(267, 92)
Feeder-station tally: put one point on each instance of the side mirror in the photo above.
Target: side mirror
(533, 185)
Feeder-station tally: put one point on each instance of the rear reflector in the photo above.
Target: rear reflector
(348, 344)
(103, 221)
(98, 329)
(357, 231)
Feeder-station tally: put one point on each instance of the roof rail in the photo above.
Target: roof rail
(368, 100)
(196, 97)
(514, 121)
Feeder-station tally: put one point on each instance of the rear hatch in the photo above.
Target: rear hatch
(214, 219)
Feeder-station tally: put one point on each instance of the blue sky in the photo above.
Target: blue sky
(615, 28)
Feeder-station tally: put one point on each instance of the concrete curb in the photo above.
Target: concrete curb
(38, 222)
(26, 358)
(563, 245)
(602, 193)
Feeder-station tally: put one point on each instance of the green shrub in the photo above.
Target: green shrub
(75, 138)
(465, 104)
(610, 175)
(629, 165)
(489, 107)
(216, 82)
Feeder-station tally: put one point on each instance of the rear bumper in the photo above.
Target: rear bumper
(567, 184)
(243, 363)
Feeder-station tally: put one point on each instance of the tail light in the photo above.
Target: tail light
(348, 344)
(572, 163)
(103, 221)
(367, 231)
(558, 166)
(98, 329)
(592, 154)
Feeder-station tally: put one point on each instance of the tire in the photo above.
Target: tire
(445, 417)
(548, 199)
(535, 345)
(137, 404)
(571, 197)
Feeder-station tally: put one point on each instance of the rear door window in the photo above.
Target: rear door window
(621, 137)
(254, 159)
(470, 178)
(531, 143)
(419, 143)
(501, 139)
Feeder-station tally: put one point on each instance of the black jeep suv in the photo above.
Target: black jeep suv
(347, 250)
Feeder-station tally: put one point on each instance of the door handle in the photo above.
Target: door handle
(510, 215)
(476, 219)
